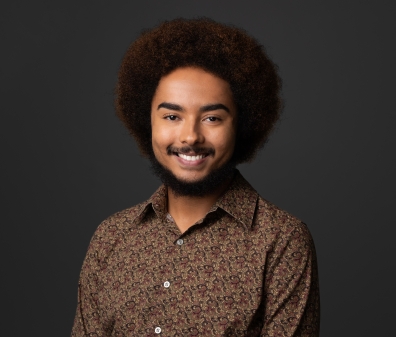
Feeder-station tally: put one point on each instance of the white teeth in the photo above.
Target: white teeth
(191, 158)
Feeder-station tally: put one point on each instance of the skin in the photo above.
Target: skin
(192, 109)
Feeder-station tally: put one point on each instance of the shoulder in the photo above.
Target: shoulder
(123, 219)
(278, 226)
(268, 214)
(268, 221)
(116, 228)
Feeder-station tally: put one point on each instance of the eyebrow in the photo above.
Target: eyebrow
(205, 108)
(170, 106)
(212, 107)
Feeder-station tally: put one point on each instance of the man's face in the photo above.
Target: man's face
(193, 119)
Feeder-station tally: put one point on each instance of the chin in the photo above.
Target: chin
(190, 178)
(198, 186)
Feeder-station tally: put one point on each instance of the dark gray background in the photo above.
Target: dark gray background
(67, 162)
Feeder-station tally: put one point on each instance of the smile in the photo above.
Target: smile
(191, 158)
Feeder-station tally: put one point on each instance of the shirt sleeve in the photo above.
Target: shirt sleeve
(291, 287)
(90, 320)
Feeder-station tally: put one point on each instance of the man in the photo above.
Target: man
(205, 255)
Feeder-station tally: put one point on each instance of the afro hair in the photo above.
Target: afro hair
(225, 51)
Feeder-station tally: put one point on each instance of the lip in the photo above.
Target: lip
(190, 163)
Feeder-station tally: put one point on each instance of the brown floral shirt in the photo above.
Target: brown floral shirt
(246, 269)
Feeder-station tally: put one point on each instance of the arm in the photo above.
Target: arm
(291, 287)
(90, 320)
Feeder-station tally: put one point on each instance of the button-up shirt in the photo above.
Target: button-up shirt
(246, 269)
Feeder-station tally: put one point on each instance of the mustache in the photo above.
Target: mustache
(188, 149)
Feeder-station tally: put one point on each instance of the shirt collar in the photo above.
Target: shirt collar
(239, 201)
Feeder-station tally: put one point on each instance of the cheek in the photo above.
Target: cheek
(225, 142)
(161, 138)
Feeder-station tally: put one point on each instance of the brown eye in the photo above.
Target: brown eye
(212, 119)
(171, 117)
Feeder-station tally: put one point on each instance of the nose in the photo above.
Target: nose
(191, 132)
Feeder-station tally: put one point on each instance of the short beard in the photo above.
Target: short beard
(199, 188)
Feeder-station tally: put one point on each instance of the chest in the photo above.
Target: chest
(208, 280)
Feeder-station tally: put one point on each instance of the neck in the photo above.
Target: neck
(187, 210)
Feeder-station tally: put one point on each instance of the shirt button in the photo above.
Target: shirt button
(157, 329)
(180, 242)
(166, 284)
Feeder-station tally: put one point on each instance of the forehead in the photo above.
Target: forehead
(193, 85)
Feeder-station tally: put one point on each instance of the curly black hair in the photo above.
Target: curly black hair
(225, 51)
